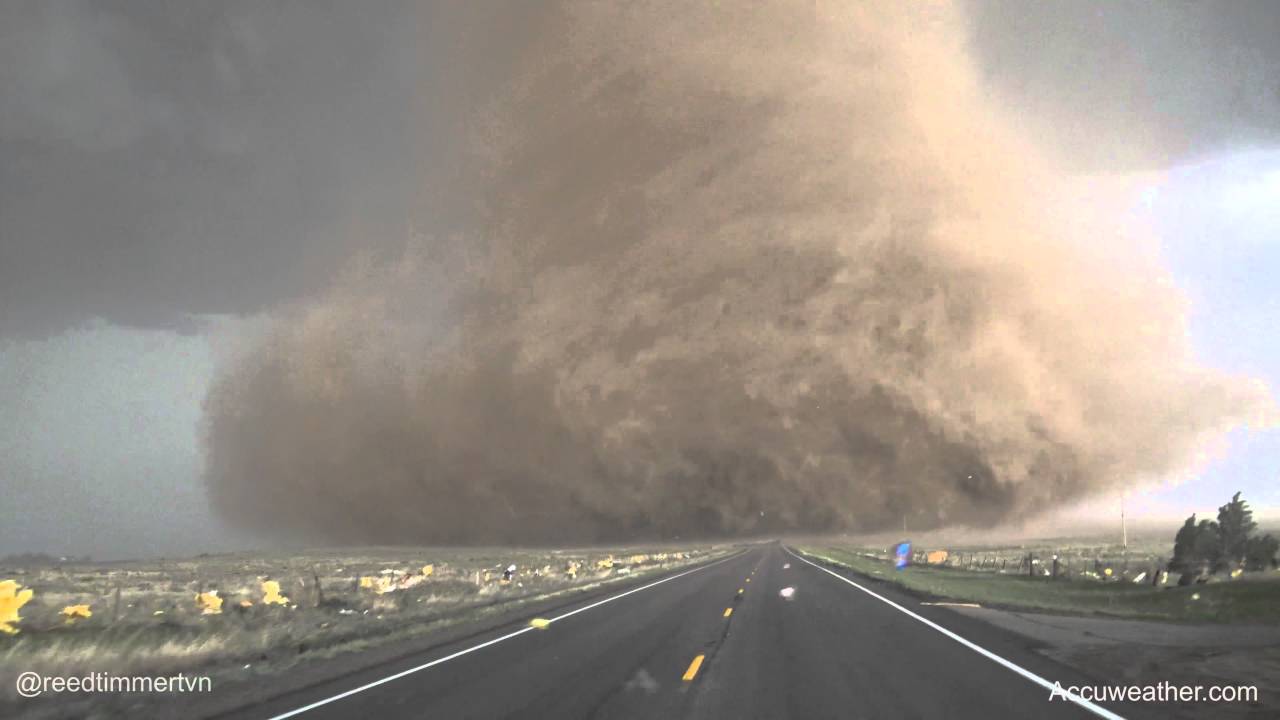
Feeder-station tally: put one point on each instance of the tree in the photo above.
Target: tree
(1184, 544)
(1196, 548)
(1260, 552)
(1229, 542)
(1208, 545)
(1235, 524)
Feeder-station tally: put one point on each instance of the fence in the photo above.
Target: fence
(1100, 564)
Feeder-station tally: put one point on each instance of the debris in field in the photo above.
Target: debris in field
(605, 564)
(509, 573)
(428, 570)
(1236, 573)
(1195, 596)
(11, 600)
(408, 581)
(346, 611)
(1139, 578)
(209, 603)
(271, 593)
(787, 593)
(786, 566)
(245, 604)
(386, 583)
(936, 557)
(902, 555)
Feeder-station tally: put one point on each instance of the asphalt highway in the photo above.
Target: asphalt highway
(718, 641)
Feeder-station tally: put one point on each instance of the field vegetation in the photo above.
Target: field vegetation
(254, 612)
(1102, 582)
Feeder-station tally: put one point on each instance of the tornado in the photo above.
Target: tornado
(707, 270)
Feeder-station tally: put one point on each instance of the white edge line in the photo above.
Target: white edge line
(1052, 687)
(487, 643)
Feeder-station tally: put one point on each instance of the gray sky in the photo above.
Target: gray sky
(1132, 84)
(165, 159)
(162, 163)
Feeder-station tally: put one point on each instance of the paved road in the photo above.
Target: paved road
(832, 651)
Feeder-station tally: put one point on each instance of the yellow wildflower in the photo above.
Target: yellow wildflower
(73, 612)
(209, 603)
(271, 593)
(10, 601)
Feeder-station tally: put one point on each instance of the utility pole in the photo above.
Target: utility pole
(1124, 530)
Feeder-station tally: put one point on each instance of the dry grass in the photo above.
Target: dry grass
(146, 619)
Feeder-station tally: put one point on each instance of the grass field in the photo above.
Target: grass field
(1250, 599)
(151, 617)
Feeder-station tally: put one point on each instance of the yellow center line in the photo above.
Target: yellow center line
(728, 612)
(692, 672)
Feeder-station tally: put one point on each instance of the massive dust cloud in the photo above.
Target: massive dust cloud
(724, 273)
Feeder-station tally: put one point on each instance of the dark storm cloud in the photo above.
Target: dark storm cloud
(160, 159)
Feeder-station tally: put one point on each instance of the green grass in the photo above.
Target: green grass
(1249, 600)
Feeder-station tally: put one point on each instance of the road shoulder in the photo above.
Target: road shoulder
(1113, 651)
